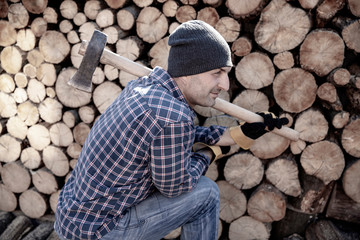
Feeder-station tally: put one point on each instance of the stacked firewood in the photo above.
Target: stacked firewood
(296, 58)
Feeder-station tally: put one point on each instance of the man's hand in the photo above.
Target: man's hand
(257, 129)
(245, 134)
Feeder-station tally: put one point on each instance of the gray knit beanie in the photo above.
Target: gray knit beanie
(196, 47)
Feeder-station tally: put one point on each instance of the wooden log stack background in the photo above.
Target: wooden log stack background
(296, 58)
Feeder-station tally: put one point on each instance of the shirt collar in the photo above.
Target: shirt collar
(159, 75)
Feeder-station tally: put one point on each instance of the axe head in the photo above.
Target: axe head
(82, 78)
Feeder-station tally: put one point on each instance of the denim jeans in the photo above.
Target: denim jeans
(196, 211)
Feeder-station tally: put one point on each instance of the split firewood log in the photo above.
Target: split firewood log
(68, 9)
(79, 19)
(55, 160)
(208, 15)
(105, 94)
(50, 110)
(74, 150)
(340, 119)
(11, 59)
(50, 15)
(339, 77)
(255, 71)
(28, 113)
(342, 207)
(281, 27)
(41, 231)
(29, 70)
(68, 95)
(354, 7)
(252, 100)
(32, 203)
(229, 28)
(7, 34)
(65, 26)
(7, 84)
(327, 10)
(17, 127)
(283, 173)
(232, 201)
(327, 92)
(35, 57)
(60, 134)
(284, 60)
(267, 204)
(159, 53)
(10, 148)
(241, 46)
(321, 52)
(36, 91)
(54, 46)
(30, 158)
(243, 170)
(297, 147)
(309, 4)
(38, 136)
(269, 146)
(20, 225)
(80, 132)
(4, 8)
(130, 47)
(92, 8)
(70, 118)
(116, 4)
(350, 137)
(324, 160)
(39, 26)
(44, 181)
(87, 114)
(169, 8)
(185, 13)
(8, 200)
(126, 17)
(248, 228)
(351, 180)
(246, 8)
(294, 90)
(105, 18)
(20, 95)
(18, 15)
(46, 73)
(314, 195)
(312, 125)
(16, 177)
(151, 25)
(25, 39)
(53, 200)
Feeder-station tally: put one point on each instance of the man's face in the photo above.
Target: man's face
(202, 89)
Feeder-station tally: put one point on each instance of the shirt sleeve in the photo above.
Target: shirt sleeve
(175, 168)
(209, 135)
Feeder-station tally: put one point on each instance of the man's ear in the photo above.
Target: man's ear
(182, 81)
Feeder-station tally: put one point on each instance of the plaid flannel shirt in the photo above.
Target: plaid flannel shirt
(140, 144)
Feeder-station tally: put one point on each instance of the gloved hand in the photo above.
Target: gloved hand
(257, 129)
(218, 151)
(245, 134)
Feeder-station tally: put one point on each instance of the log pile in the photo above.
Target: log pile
(296, 58)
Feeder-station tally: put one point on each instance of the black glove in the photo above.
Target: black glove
(257, 129)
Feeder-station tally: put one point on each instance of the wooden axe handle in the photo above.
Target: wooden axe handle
(122, 63)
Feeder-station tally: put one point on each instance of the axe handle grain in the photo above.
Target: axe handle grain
(139, 70)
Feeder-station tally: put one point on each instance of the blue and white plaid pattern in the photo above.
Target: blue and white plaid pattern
(140, 144)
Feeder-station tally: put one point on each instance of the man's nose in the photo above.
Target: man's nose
(224, 82)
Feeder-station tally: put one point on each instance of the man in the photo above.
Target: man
(140, 175)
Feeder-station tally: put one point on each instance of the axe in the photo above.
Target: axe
(95, 52)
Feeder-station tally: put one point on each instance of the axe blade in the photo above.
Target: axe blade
(82, 78)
